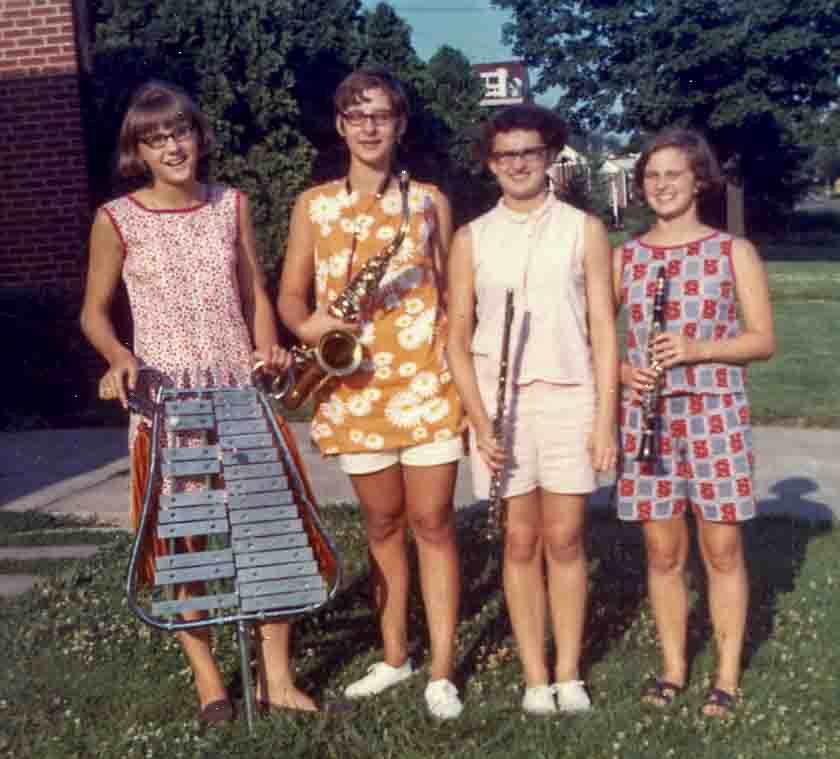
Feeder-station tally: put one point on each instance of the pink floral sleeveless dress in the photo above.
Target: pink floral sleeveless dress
(180, 271)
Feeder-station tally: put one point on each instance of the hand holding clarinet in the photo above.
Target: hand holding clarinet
(650, 393)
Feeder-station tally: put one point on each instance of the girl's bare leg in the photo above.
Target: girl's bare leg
(524, 584)
(723, 556)
(198, 647)
(428, 493)
(383, 506)
(666, 542)
(275, 678)
(563, 524)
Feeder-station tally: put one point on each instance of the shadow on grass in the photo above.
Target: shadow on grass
(775, 553)
(775, 549)
(616, 584)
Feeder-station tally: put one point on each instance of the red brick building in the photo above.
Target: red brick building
(44, 200)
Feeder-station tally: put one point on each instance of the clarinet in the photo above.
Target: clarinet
(650, 398)
(496, 508)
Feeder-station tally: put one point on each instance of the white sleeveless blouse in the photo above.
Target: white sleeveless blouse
(539, 255)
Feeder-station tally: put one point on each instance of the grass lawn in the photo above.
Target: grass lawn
(798, 385)
(83, 678)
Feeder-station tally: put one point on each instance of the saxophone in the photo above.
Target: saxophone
(338, 352)
(650, 398)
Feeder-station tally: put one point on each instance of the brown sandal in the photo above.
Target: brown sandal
(217, 713)
(661, 693)
(722, 702)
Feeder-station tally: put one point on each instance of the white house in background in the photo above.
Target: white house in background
(618, 171)
(567, 163)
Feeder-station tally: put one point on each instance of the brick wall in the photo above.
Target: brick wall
(44, 202)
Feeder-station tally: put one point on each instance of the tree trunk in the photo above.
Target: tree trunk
(735, 209)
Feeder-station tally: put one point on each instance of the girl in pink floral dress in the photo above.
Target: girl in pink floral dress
(186, 253)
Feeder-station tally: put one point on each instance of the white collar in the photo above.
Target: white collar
(523, 217)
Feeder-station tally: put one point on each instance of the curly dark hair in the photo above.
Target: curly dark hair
(527, 117)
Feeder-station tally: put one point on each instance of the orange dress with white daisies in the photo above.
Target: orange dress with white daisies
(402, 395)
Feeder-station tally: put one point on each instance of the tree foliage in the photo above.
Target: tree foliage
(444, 96)
(755, 76)
(252, 67)
(264, 72)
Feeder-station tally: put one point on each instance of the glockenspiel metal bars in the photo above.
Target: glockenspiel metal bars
(277, 559)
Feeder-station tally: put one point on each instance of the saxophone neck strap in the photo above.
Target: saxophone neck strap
(380, 191)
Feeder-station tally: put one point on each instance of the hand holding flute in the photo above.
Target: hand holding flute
(496, 508)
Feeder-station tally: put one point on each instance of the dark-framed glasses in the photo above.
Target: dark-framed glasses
(528, 155)
(359, 118)
(158, 140)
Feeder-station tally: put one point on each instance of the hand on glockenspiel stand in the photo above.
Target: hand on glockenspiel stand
(120, 378)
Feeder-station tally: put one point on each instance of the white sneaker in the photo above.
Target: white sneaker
(539, 700)
(380, 676)
(572, 696)
(442, 699)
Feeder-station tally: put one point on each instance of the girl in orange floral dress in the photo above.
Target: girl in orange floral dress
(394, 423)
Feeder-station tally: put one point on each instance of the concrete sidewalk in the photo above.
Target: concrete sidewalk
(85, 472)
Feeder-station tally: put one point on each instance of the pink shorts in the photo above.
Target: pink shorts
(546, 432)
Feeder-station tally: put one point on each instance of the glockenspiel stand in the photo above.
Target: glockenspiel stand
(229, 476)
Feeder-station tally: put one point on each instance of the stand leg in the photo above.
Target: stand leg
(243, 633)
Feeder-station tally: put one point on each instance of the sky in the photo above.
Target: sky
(472, 26)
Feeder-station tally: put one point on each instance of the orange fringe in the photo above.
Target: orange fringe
(152, 547)
(139, 480)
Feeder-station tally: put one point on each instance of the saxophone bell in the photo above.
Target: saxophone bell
(271, 384)
(339, 352)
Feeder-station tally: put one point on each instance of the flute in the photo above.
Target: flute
(650, 398)
(496, 508)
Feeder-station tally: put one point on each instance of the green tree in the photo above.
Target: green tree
(448, 128)
(444, 96)
(264, 71)
(261, 70)
(385, 40)
(753, 76)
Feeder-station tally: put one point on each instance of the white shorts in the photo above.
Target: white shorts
(546, 432)
(426, 454)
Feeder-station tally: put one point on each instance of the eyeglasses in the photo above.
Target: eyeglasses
(158, 140)
(665, 176)
(377, 118)
(528, 155)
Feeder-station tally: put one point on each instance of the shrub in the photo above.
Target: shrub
(50, 381)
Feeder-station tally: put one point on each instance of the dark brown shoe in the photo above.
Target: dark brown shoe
(217, 712)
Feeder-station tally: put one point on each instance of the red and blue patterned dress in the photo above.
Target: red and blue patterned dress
(704, 439)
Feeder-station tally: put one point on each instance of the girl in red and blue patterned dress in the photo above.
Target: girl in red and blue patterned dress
(704, 456)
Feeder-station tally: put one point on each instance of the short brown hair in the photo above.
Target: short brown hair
(351, 90)
(153, 106)
(701, 158)
(526, 117)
